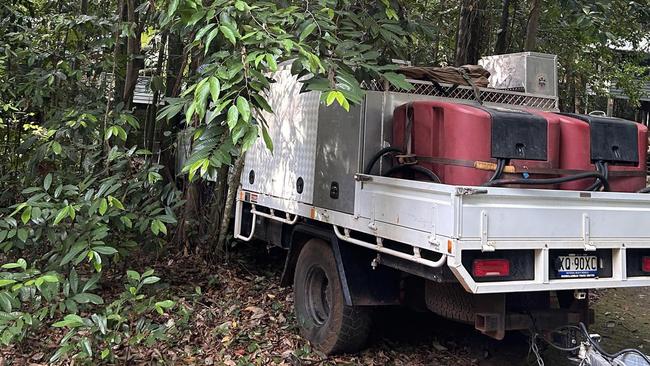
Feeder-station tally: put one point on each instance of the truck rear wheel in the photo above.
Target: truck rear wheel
(323, 317)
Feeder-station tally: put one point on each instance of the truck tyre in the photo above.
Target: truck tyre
(450, 301)
(323, 317)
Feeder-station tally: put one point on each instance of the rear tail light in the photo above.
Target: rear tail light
(498, 267)
(645, 264)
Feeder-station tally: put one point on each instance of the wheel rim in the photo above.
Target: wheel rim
(318, 295)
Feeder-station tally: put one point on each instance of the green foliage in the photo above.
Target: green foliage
(333, 47)
(78, 194)
(124, 322)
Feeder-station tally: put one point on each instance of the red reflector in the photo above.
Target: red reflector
(645, 264)
(492, 267)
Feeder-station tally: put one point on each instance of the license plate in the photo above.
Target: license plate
(577, 266)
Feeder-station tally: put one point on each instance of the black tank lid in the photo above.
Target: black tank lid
(518, 134)
(613, 140)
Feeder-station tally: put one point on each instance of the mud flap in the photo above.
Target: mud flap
(361, 284)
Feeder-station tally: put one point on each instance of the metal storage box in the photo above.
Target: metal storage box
(529, 72)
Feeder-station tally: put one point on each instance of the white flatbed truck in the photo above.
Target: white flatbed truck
(358, 240)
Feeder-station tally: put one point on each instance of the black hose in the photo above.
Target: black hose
(416, 168)
(600, 349)
(498, 171)
(601, 167)
(377, 156)
(542, 181)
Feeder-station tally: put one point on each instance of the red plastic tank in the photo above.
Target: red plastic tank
(456, 136)
(625, 175)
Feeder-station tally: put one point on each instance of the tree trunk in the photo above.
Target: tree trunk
(469, 29)
(173, 74)
(175, 64)
(233, 184)
(579, 87)
(501, 46)
(152, 109)
(533, 26)
(134, 62)
(119, 55)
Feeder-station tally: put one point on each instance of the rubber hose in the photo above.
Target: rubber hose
(377, 156)
(600, 349)
(543, 181)
(602, 169)
(498, 170)
(416, 168)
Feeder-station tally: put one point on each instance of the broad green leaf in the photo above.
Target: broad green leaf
(153, 177)
(343, 102)
(6, 282)
(26, 215)
(20, 263)
(126, 221)
(190, 112)
(262, 103)
(244, 109)
(161, 226)
(215, 88)
(331, 97)
(63, 213)
(84, 298)
(133, 275)
(203, 31)
(228, 33)
(49, 278)
(250, 137)
(69, 321)
(106, 250)
(398, 80)
(121, 133)
(233, 117)
(239, 131)
(56, 147)
(270, 61)
(267, 139)
(209, 39)
(103, 206)
(86, 347)
(162, 305)
(5, 302)
(173, 5)
(115, 202)
(101, 322)
(154, 224)
(48, 181)
(166, 304)
(150, 280)
(307, 31)
(240, 5)
(91, 282)
(148, 273)
(22, 234)
(76, 249)
(71, 212)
